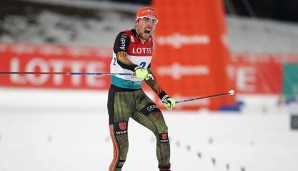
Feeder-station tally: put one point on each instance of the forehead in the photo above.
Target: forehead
(150, 16)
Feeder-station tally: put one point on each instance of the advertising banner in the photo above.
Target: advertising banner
(38, 58)
(191, 51)
(257, 78)
(290, 80)
(248, 73)
(263, 73)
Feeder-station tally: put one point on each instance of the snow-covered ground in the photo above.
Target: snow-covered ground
(55, 130)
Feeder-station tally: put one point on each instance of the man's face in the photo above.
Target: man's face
(145, 26)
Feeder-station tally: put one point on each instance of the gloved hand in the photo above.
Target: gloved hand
(168, 102)
(149, 76)
(141, 72)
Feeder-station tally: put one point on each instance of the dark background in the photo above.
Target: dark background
(283, 10)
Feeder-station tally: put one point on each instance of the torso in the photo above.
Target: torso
(138, 53)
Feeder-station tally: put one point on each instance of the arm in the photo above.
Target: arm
(152, 82)
(167, 101)
(120, 49)
(124, 62)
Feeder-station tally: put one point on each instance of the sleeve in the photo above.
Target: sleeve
(120, 49)
(152, 82)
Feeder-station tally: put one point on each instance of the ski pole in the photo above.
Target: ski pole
(231, 92)
(70, 73)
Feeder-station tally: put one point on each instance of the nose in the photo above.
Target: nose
(150, 23)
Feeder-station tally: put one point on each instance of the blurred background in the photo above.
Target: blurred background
(60, 122)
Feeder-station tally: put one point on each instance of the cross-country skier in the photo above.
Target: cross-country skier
(132, 54)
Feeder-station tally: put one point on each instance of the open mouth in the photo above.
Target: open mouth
(147, 31)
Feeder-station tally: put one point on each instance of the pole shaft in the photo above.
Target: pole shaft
(68, 73)
(204, 97)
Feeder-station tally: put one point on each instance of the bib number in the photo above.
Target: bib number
(143, 64)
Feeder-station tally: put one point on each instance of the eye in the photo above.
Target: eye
(154, 21)
(146, 19)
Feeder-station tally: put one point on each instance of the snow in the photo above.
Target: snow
(68, 130)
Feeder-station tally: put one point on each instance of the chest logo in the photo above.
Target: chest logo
(141, 50)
